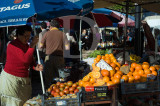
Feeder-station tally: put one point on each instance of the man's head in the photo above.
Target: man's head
(43, 25)
(54, 23)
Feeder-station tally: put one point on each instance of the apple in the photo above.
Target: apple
(74, 85)
(62, 85)
(78, 87)
(69, 83)
(61, 93)
(71, 89)
(66, 87)
(61, 89)
(66, 91)
(52, 92)
(57, 90)
(76, 90)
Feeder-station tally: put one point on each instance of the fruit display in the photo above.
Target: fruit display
(62, 89)
(103, 77)
(140, 72)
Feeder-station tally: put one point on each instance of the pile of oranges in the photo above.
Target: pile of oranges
(99, 77)
(139, 72)
(103, 77)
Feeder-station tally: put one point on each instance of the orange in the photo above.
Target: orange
(112, 78)
(108, 61)
(131, 79)
(140, 72)
(105, 73)
(129, 74)
(135, 73)
(86, 78)
(154, 73)
(111, 55)
(131, 69)
(91, 74)
(116, 81)
(92, 80)
(145, 63)
(110, 83)
(96, 74)
(147, 71)
(120, 72)
(100, 82)
(138, 67)
(157, 67)
(133, 65)
(112, 72)
(118, 64)
(145, 66)
(97, 69)
(117, 68)
(95, 84)
(106, 79)
(96, 60)
(113, 65)
(117, 76)
(99, 56)
(137, 77)
(103, 57)
(125, 78)
(114, 60)
(87, 84)
(106, 55)
(81, 83)
(152, 68)
(93, 65)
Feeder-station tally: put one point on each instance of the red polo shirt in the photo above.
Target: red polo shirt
(19, 58)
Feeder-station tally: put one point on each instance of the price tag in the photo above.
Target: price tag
(59, 103)
(103, 65)
(100, 88)
(141, 86)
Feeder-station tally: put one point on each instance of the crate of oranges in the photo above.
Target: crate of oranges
(142, 78)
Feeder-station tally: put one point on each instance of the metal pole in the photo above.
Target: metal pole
(39, 62)
(125, 31)
(80, 43)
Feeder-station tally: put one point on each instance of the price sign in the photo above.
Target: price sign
(141, 86)
(103, 65)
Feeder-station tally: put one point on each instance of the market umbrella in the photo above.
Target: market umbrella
(130, 22)
(17, 12)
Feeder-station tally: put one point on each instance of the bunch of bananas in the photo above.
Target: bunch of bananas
(134, 58)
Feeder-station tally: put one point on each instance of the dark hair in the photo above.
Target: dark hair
(21, 30)
(54, 23)
(43, 25)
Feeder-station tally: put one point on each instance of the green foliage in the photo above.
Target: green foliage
(123, 8)
(99, 52)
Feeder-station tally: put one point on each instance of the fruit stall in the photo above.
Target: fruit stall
(106, 82)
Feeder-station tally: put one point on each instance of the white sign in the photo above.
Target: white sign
(103, 65)
(15, 7)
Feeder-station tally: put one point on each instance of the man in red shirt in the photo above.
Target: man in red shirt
(15, 85)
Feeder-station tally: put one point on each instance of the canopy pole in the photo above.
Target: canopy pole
(125, 31)
(80, 43)
(39, 62)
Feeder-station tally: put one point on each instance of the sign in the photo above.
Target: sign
(103, 65)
